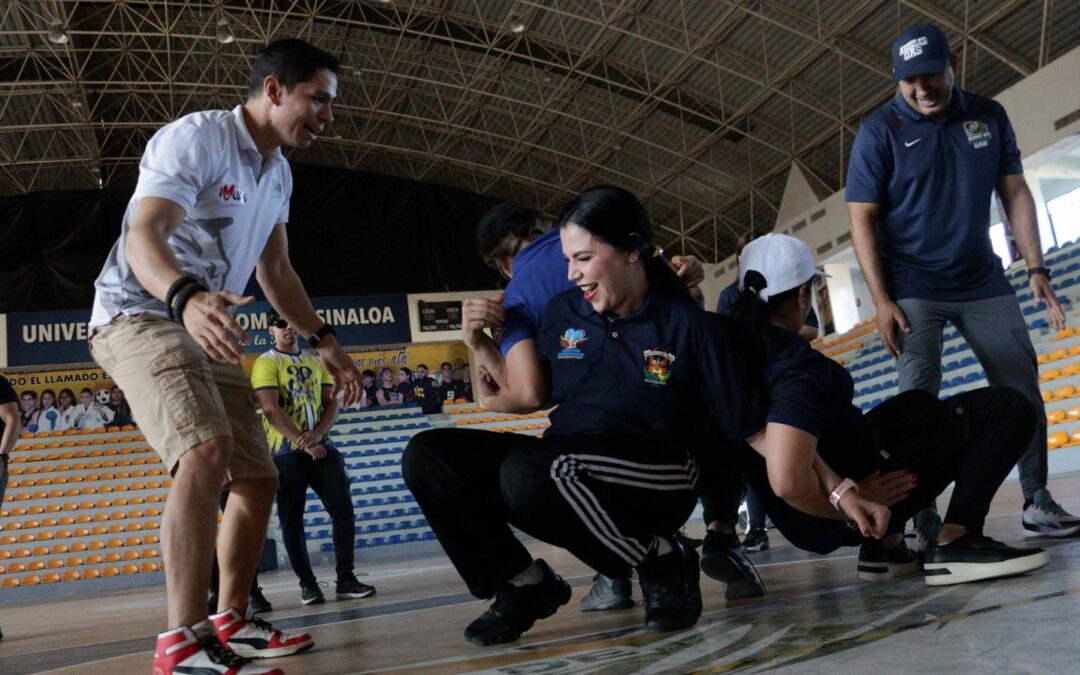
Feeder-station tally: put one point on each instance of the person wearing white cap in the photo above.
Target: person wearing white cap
(903, 454)
(923, 171)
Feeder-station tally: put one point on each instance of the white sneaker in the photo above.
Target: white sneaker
(251, 637)
(1044, 517)
(198, 650)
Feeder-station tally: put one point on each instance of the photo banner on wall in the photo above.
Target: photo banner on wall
(54, 338)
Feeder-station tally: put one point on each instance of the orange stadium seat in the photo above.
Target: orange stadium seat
(1055, 416)
(148, 566)
(91, 574)
(72, 575)
(31, 580)
(74, 561)
(93, 559)
(1065, 391)
(1057, 439)
(11, 582)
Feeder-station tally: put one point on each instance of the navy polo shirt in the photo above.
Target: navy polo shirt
(539, 274)
(670, 371)
(726, 304)
(809, 391)
(934, 182)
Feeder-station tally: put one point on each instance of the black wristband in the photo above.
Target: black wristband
(1045, 271)
(181, 299)
(170, 295)
(318, 335)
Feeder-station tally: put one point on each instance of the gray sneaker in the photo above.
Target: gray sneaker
(608, 593)
(1044, 517)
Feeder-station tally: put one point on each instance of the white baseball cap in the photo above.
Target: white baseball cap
(786, 262)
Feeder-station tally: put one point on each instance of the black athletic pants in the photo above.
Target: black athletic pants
(973, 438)
(327, 477)
(604, 498)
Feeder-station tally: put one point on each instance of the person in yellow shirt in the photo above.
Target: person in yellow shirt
(293, 388)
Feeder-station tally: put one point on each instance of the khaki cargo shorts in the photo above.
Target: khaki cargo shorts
(179, 397)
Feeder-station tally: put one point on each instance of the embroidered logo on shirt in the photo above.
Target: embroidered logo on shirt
(229, 193)
(276, 191)
(977, 134)
(569, 342)
(910, 50)
(657, 366)
(908, 145)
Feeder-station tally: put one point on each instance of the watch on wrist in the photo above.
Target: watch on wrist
(317, 336)
(1045, 271)
(840, 490)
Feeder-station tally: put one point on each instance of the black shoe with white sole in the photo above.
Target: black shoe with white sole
(878, 562)
(349, 587)
(311, 594)
(973, 557)
(517, 608)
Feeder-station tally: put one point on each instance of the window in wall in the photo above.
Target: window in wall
(997, 240)
(1065, 212)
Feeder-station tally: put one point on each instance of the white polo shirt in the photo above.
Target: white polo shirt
(206, 162)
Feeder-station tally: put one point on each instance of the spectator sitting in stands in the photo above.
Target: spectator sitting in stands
(120, 409)
(426, 392)
(89, 414)
(466, 384)
(450, 389)
(387, 393)
(28, 403)
(404, 385)
(67, 410)
(47, 416)
(368, 382)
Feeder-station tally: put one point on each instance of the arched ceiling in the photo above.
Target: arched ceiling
(699, 106)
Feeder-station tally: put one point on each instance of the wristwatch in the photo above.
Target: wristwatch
(840, 490)
(318, 335)
(1045, 271)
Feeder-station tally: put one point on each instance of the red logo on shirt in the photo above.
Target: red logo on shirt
(229, 193)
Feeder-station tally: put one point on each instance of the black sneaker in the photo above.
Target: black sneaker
(311, 594)
(516, 609)
(722, 560)
(972, 557)
(671, 588)
(258, 602)
(878, 562)
(756, 540)
(349, 587)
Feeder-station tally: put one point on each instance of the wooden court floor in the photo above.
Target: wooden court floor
(816, 618)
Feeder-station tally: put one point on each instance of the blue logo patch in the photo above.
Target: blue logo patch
(569, 342)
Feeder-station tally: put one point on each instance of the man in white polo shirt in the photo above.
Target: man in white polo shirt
(210, 207)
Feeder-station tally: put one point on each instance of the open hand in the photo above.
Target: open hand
(206, 316)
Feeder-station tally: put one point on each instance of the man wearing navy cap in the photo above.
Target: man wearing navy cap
(922, 172)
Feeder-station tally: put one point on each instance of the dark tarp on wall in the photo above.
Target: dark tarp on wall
(350, 233)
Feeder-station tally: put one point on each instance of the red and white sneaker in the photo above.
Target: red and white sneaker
(251, 637)
(198, 650)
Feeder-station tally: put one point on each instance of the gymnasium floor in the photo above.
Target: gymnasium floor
(817, 618)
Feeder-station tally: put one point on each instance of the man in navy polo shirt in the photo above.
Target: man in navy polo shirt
(923, 169)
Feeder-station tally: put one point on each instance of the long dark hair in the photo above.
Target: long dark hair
(617, 217)
(752, 315)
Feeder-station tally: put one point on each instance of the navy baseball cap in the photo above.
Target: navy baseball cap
(921, 49)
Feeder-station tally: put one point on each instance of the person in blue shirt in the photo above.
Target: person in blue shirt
(524, 248)
(640, 374)
(814, 443)
(923, 170)
(756, 539)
